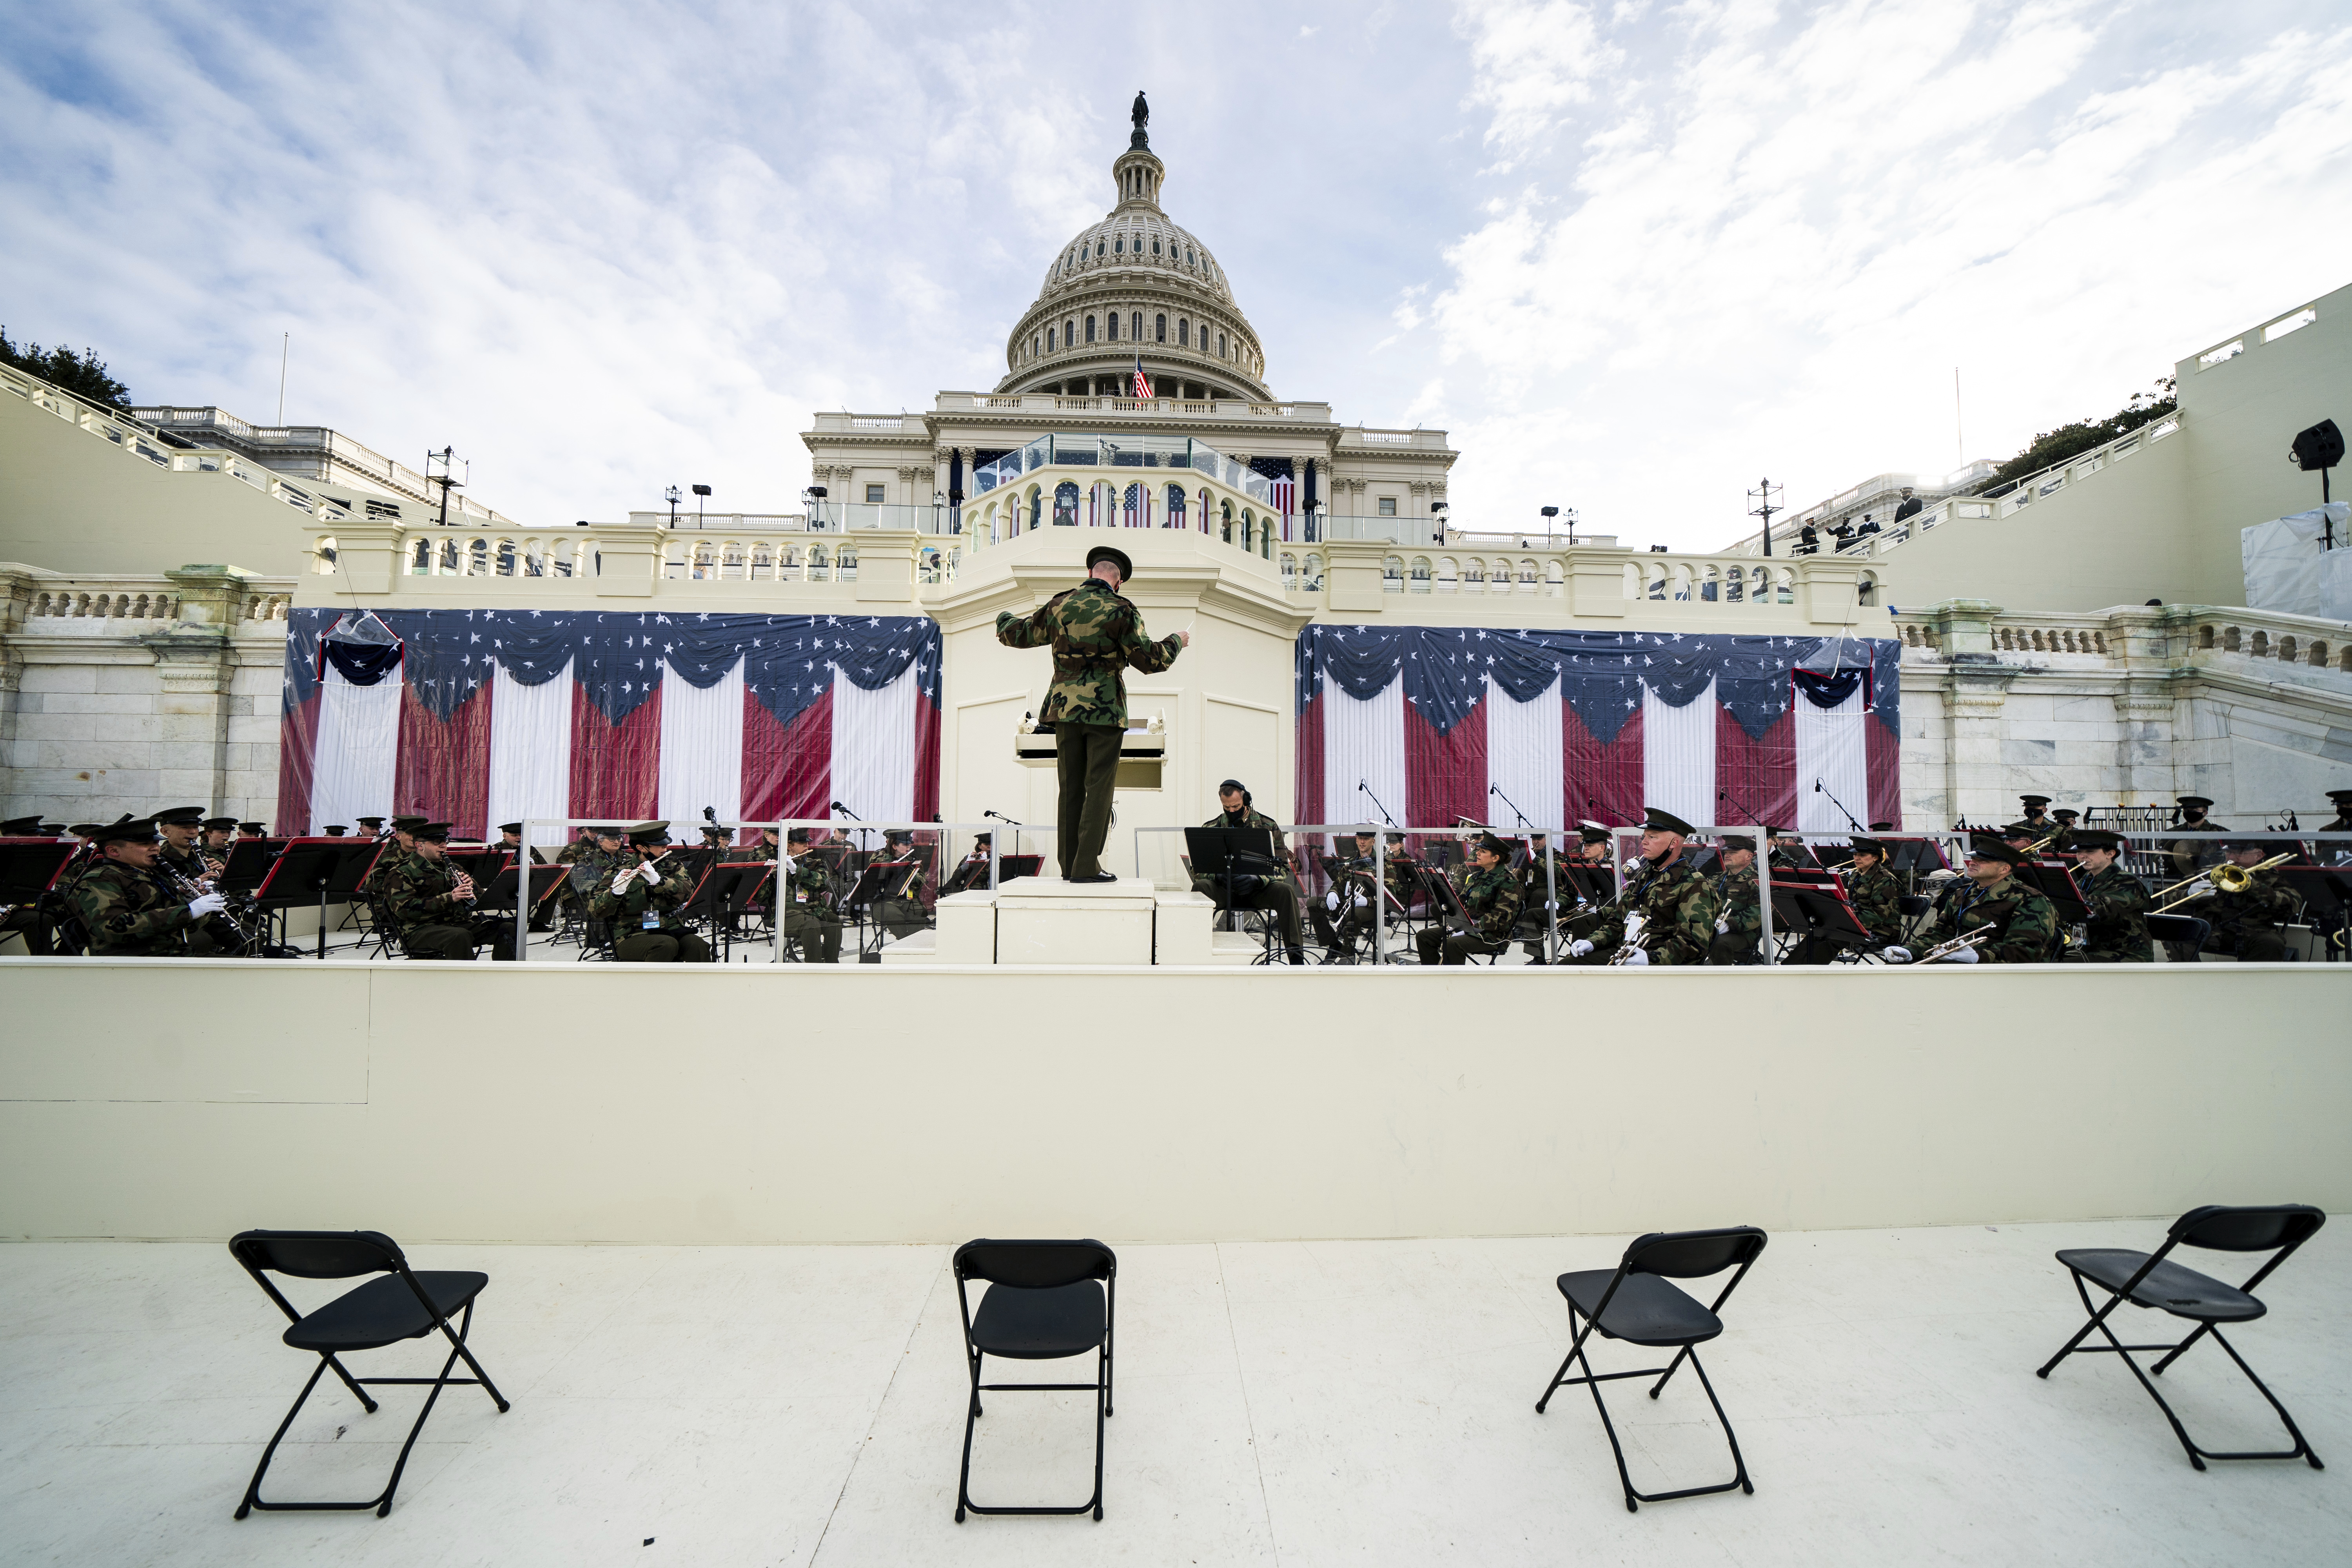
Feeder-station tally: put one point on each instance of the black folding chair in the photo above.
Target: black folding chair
(1043, 1303)
(402, 1305)
(1635, 1303)
(2146, 1279)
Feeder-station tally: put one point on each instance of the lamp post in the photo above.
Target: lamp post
(1437, 510)
(1762, 495)
(441, 469)
(671, 495)
(814, 497)
(1549, 514)
(701, 493)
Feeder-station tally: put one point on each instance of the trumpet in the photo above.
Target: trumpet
(1969, 939)
(2226, 878)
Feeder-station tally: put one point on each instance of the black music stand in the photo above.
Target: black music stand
(30, 867)
(723, 895)
(1225, 856)
(1824, 909)
(328, 870)
(498, 892)
(862, 895)
(2326, 894)
(2055, 882)
(248, 862)
(1010, 867)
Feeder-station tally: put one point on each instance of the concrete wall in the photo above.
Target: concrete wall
(624, 1103)
(2163, 522)
(71, 501)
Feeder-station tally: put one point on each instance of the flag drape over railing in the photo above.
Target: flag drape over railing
(480, 716)
(1424, 723)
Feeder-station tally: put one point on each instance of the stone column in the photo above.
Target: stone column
(195, 662)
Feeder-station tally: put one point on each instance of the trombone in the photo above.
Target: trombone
(2226, 878)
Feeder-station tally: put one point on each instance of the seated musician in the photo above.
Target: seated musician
(644, 900)
(971, 871)
(542, 915)
(1741, 921)
(899, 905)
(810, 917)
(1675, 907)
(1543, 886)
(125, 909)
(1276, 895)
(1491, 895)
(2023, 924)
(1875, 892)
(430, 903)
(2116, 931)
(219, 833)
(1350, 897)
(2250, 925)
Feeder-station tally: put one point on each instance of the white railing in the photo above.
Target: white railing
(337, 446)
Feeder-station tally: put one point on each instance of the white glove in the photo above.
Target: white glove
(1578, 948)
(1363, 902)
(651, 876)
(209, 904)
(1331, 900)
(621, 882)
(1633, 927)
(1965, 955)
(1637, 958)
(1894, 954)
(1723, 926)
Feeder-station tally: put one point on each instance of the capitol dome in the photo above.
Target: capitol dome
(1135, 284)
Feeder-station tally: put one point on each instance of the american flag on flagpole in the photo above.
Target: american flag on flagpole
(1142, 387)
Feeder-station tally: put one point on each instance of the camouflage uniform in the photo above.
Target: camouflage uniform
(2026, 924)
(1535, 892)
(1678, 908)
(2117, 930)
(1741, 918)
(1876, 896)
(1492, 897)
(2251, 924)
(419, 899)
(1094, 633)
(670, 940)
(810, 919)
(127, 912)
(1278, 895)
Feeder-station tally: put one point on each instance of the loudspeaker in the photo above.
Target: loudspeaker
(2321, 447)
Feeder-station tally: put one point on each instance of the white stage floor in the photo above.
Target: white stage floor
(1300, 1403)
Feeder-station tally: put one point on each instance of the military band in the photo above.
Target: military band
(152, 887)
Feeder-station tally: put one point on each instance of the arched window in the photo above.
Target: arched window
(1393, 575)
(1037, 505)
(1035, 345)
(1160, 329)
(1133, 505)
(1155, 245)
(1225, 523)
(1249, 531)
(1220, 345)
(1135, 326)
(1065, 503)
(1866, 592)
(816, 563)
(1175, 501)
(1090, 329)
(1070, 332)
(1421, 573)
(1313, 583)
(449, 558)
(421, 562)
(1110, 326)
(1183, 333)
(1289, 572)
(763, 563)
(478, 558)
(1190, 259)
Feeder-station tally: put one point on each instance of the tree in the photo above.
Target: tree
(2051, 448)
(84, 374)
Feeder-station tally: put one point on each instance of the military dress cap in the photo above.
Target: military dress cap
(1102, 553)
(20, 827)
(130, 830)
(2067, 813)
(1739, 841)
(2195, 800)
(1658, 821)
(2097, 838)
(2230, 845)
(1866, 846)
(1994, 849)
(1492, 846)
(404, 824)
(1592, 833)
(800, 836)
(2030, 801)
(649, 833)
(336, 829)
(430, 832)
(252, 829)
(180, 817)
(2340, 796)
(515, 827)
(212, 822)
(370, 822)
(2021, 830)
(1882, 828)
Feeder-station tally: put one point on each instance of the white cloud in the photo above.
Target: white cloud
(1776, 237)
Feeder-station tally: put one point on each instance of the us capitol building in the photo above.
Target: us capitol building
(1137, 287)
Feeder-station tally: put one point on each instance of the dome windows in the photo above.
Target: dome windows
(1034, 343)
(1110, 326)
(1135, 326)
(1160, 329)
(1090, 329)
(1155, 245)
(1119, 245)
(1220, 345)
(1183, 333)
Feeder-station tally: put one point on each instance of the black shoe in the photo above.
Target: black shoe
(1096, 876)
(1296, 955)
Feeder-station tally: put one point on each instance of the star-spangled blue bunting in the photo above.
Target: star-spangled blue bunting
(1602, 674)
(621, 658)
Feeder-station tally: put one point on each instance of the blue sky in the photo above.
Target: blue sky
(1631, 256)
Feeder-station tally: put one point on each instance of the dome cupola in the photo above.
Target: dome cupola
(1135, 284)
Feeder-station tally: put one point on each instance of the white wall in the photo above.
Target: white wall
(610, 1102)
